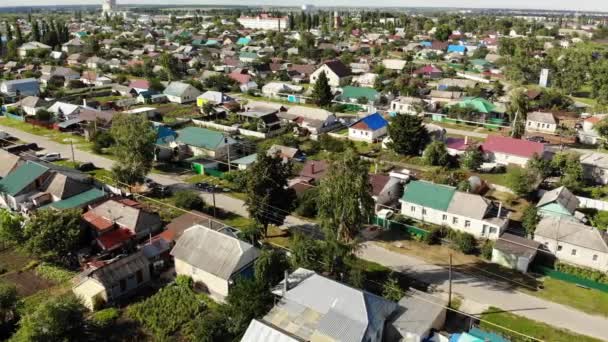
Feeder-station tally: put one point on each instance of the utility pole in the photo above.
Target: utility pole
(514, 123)
(213, 195)
(450, 283)
(229, 166)
(72, 148)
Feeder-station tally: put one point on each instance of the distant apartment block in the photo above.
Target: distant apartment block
(265, 22)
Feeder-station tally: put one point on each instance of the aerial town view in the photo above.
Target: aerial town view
(278, 171)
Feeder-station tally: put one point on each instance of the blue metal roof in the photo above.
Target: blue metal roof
(374, 121)
(456, 48)
(426, 43)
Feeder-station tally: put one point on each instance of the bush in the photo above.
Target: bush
(463, 242)
(105, 318)
(582, 272)
(486, 249)
(435, 235)
(54, 273)
(307, 204)
(237, 178)
(189, 200)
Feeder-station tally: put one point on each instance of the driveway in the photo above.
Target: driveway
(488, 292)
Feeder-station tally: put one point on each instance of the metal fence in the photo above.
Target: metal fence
(569, 278)
(389, 224)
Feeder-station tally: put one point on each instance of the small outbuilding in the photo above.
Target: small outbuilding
(514, 252)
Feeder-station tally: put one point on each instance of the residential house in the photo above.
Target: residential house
(458, 146)
(280, 90)
(369, 129)
(180, 224)
(419, 314)
(541, 122)
(514, 252)
(29, 48)
(588, 134)
(75, 45)
(259, 330)
(428, 71)
(573, 242)
(213, 258)
(205, 142)
(394, 64)
(117, 222)
(313, 171)
(451, 83)
(32, 104)
(337, 73)
(310, 307)
(445, 206)
(313, 120)
(367, 79)
(64, 110)
(21, 87)
(407, 105)
(95, 62)
(245, 162)
(179, 92)
(386, 190)
(595, 167)
(213, 97)
(75, 59)
(105, 282)
(9, 162)
(445, 97)
(285, 152)
(300, 72)
(559, 202)
(265, 118)
(505, 150)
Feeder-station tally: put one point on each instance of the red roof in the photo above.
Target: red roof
(114, 239)
(427, 70)
(139, 84)
(516, 147)
(240, 78)
(97, 222)
(458, 143)
(593, 119)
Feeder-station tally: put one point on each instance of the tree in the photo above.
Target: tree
(169, 64)
(602, 128)
(345, 201)
(269, 199)
(568, 167)
(472, 159)
(391, 290)
(521, 181)
(102, 140)
(270, 266)
(321, 91)
(518, 110)
(8, 302)
(247, 299)
(530, 219)
(436, 154)
(600, 220)
(11, 227)
(210, 326)
(189, 200)
(305, 252)
(443, 33)
(11, 49)
(408, 135)
(53, 235)
(18, 33)
(135, 140)
(539, 165)
(43, 115)
(58, 319)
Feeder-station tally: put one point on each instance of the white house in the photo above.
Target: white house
(118, 278)
(574, 242)
(370, 129)
(337, 73)
(179, 92)
(31, 47)
(265, 22)
(445, 206)
(407, 105)
(279, 89)
(595, 167)
(541, 122)
(505, 150)
(394, 64)
(32, 104)
(213, 258)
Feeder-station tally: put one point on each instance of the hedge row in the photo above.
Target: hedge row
(582, 272)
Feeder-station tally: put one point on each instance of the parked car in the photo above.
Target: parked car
(51, 157)
(85, 167)
(537, 138)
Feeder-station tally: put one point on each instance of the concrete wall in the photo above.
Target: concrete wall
(365, 135)
(583, 257)
(217, 286)
(502, 158)
(535, 126)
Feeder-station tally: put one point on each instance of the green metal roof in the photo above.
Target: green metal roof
(480, 105)
(20, 178)
(79, 200)
(429, 195)
(201, 137)
(246, 160)
(350, 92)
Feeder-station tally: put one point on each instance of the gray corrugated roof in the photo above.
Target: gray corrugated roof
(8, 162)
(62, 186)
(516, 245)
(468, 205)
(572, 232)
(416, 315)
(547, 118)
(134, 219)
(562, 196)
(115, 271)
(259, 331)
(214, 252)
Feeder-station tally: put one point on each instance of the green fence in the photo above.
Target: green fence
(214, 172)
(549, 272)
(389, 224)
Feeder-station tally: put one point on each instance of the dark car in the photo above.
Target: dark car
(537, 138)
(85, 167)
(202, 185)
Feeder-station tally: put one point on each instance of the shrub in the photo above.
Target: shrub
(582, 272)
(54, 273)
(435, 235)
(463, 242)
(105, 318)
(486, 249)
(189, 200)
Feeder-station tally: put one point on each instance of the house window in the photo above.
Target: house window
(594, 257)
(484, 228)
(413, 209)
(493, 230)
(467, 223)
(423, 211)
(445, 217)
(123, 285)
(573, 252)
(455, 220)
(559, 248)
(140, 276)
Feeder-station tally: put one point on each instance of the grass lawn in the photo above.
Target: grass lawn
(56, 136)
(237, 221)
(515, 204)
(496, 178)
(13, 260)
(529, 327)
(587, 300)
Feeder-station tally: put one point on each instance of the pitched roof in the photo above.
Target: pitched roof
(428, 195)
(115, 238)
(62, 186)
(21, 177)
(516, 147)
(572, 232)
(202, 137)
(214, 252)
(561, 195)
(338, 68)
(178, 89)
(259, 330)
(80, 200)
(547, 118)
(350, 92)
(378, 182)
(8, 162)
(178, 225)
(113, 272)
(468, 205)
(314, 169)
(127, 214)
(371, 122)
(479, 104)
(517, 245)
(282, 151)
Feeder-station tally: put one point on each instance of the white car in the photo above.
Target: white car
(51, 157)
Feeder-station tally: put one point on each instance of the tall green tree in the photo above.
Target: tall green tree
(436, 154)
(472, 159)
(8, 303)
(568, 167)
(518, 110)
(8, 31)
(443, 32)
(169, 64)
(270, 266)
(134, 147)
(248, 299)
(521, 181)
(408, 135)
(345, 200)
(57, 319)
(11, 224)
(18, 33)
(269, 199)
(321, 91)
(530, 219)
(53, 235)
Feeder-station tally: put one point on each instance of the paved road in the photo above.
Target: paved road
(465, 133)
(489, 292)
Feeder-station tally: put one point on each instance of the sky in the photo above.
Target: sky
(587, 5)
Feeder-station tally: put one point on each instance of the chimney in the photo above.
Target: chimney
(84, 102)
(499, 209)
(312, 168)
(466, 140)
(285, 283)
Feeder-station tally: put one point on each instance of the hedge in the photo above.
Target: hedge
(582, 272)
